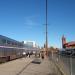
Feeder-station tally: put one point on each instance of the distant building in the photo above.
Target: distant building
(67, 44)
(5, 41)
(30, 44)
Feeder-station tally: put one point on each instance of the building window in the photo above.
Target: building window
(3, 41)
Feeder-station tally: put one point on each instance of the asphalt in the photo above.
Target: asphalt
(25, 66)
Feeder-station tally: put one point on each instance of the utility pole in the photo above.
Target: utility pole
(46, 45)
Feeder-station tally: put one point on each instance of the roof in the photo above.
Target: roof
(4, 37)
(72, 43)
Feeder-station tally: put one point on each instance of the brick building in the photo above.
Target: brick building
(65, 44)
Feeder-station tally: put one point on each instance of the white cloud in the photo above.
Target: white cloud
(30, 22)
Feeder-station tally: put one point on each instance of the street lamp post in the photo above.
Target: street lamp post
(46, 47)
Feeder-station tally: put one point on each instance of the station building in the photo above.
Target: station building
(5, 41)
(30, 44)
(65, 44)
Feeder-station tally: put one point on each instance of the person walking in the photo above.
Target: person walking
(42, 55)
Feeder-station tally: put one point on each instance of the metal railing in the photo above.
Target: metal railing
(66, 63)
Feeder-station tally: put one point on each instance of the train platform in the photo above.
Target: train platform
(25, 66)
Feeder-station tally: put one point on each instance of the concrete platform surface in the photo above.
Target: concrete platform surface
(14, 67)
(24, 66)
(44, 68)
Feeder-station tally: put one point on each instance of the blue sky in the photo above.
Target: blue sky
(25, 20)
